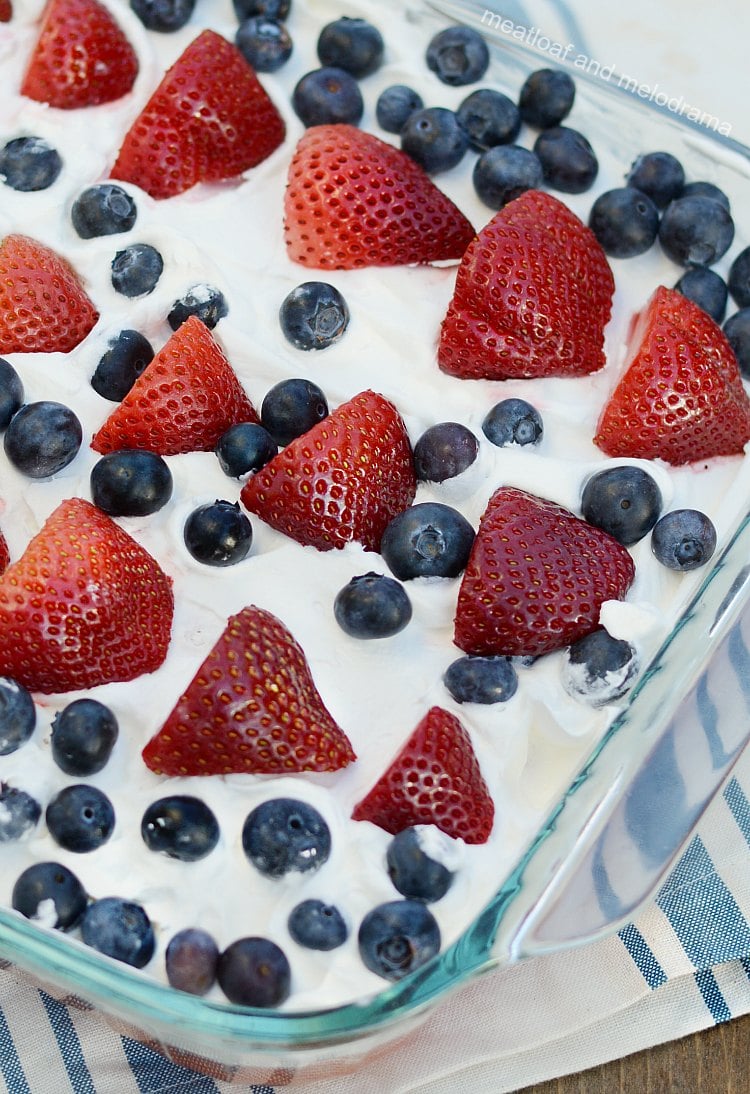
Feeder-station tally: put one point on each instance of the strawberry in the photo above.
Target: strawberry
(681, 396)
(532, 298)
(6, 11)
(536, 578)
(4, 553)
(84, 605)
(43, 307)
(434, 779)
(343, 480)
(81, 57)
(183, 400)
(209, 119)
(352, 200)
(251, 707)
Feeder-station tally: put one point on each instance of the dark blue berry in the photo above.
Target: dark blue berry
(103, 210)
(42, 438)
(683, 539)
(695, 231)
(11, 392)
(19, 813)
(317, 926)
(191, 960)
(706, 190)
(46, 882)
(80, 818)
(352, 44)
(484, 680)
(29, 163)
(624, 501)
(291, 407)
(458, 56)
(218, 534)
(245, 447)
(490, 118)
(738, 280)
(313, 315)
(284, 834)
(120, 929)
(83, 735)
(427, 540)
(444, 451)
(395, 106)
(131, 483)
(414, 872)
(254, 972)
(705, 288)
(398, 937)
(165, 16)
(658, 174)
(737, 330)
(625, 221)
(264, 43)
(204, 302)
(505, 172)
(435, 139)
(272, 9)
(121, 365)
(328, 96)
(17, 715)
(546, 98)
(568, 160)
(180, 826)
(372, 606)
(513, 421)
(136, 270)
(599, 668)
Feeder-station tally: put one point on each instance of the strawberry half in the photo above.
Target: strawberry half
(43, 307)
(4, 554)
(183, 401)
(536, 578)
(251, 707)
(209, 119)
(681, 396)
(352, 200)
(434, 779)
(84, 605)
(343, 480)
(81, 58)
(532, 298)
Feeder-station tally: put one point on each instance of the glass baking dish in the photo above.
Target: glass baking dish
(606, 843)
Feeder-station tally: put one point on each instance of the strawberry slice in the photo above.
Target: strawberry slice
(6, 11)
(84, 605)
(81, 58)
(251, 707)
(343, 480)
(4, 554)
(681, 396)
(183, 400)
(209, 119)
(532, 298)
(536, 578)
(352, 200)
(43, 307)
(434, 779)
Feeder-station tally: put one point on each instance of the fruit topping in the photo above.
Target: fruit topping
(120, 929)
(245, 447)
(313, 315)
(136, 270)
(17, 715)
(42, 439)
(705, 288)
(204, 302)
(513, 421)
(4, 553)
(11, 392)
(164, 16)
(121, 364)
(490, 118)
(218, 534)
(458, 56)
(292, 407)
(352, 44)
(599, 669)
(80, 818)
(427, 540)
(696, 231)
(317, 926)
(191, 959)
(435, 138)
(254, 972)
(83, 735)
(623, 500)
(505, 172)
(414, 866)
(131, 482)
(444, 451)
(683, 539)
(738, 280)
(19, 813)
(398, 937)
(29, 163)
(568, 161)
(660, 175)
(395, 106)
(737, 332)
(283, 835)
(546, 98)
(328, 96)
(50, 892)
(103, 210)
(264, 43)
(625, 221)
(484, 680)
(372, 606)
(182, 827)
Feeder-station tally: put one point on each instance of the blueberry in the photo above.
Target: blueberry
(272, 9)
(658, 174)
(17, 715)
(245, 447)
(165, 16)
(283, 834)
(683, 539)
(264, 43)
(328, 96)
(254, 972)
(513, 421)
(204, 302)
(706, 190)
(120, 366)
(29, 163)
(131, 483)
(504, 172)
(395, 106)
(11, 392)
(218, 534)
(435, 138)
(120, 929)
(599, 668)
(458, 56)
(625, 222)
(398, 937)
(291, 407)
(19, 813)
(737, 330)
(738, 280)
(191, 960)
(317, 926)
(45, 883)
(136, 270)
(568, 160)
(483, 680)
(80, 818)
(314, 315)
(103, 210)
(490, 118)
(695, 231)
(372, 606)
(416, 873)
(42, 438)
(546, 98)
(623, 501)
(444, 451)
(180, 826)
(427, 540)
(352, 44)
(705, 288)
(83, 735)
